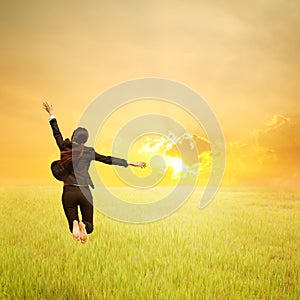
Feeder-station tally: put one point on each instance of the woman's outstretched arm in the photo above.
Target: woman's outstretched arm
(117, 161)
(140, 164)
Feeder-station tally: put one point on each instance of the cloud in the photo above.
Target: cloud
(179, 153)
(279, 133)
(276, 122)
(270, 156)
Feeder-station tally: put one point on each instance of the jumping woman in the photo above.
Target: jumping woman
(76, 190)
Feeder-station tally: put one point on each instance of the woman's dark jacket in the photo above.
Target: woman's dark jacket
(81, 166)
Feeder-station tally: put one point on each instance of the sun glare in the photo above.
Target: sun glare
(176, 164)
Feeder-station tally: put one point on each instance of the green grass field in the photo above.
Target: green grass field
(244, 245)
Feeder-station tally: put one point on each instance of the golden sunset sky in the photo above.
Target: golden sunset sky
(241, 57)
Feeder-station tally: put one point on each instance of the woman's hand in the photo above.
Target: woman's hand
(48, 108)
(137, 164)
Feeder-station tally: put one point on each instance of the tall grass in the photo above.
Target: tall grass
(244, 245)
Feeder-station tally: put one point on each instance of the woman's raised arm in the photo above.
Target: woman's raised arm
(48, 108)
(55, 129)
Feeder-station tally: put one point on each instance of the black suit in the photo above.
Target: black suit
(82, 176)
(76, 184)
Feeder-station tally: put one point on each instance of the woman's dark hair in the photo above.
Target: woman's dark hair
(79, 136)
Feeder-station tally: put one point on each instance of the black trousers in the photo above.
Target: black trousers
(73, 197)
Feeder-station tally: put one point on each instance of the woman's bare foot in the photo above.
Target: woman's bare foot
(83, 233)
(76, 231)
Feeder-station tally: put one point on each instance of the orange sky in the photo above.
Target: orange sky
(243, 59)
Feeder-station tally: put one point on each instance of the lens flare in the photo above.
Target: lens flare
(177, 149)
(167, 148)
(176, 164)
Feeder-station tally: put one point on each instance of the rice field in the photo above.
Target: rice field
(244, 245)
